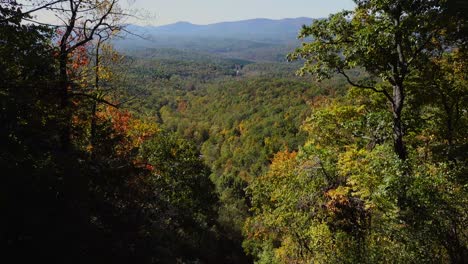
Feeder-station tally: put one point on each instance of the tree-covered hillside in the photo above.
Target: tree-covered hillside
(255, 40)
(218, 150)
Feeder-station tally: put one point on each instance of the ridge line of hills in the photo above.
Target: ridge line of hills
(259, 39)
(260, 29)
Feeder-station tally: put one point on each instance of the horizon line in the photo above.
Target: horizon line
(220, 22)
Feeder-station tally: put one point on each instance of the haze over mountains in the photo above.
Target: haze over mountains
(255, 39)
(259, 29)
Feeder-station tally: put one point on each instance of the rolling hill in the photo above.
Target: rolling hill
(255, 39)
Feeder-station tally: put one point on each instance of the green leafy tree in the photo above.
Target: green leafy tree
(326, 203)
(390, 40)
(338, 199)
(183, 206)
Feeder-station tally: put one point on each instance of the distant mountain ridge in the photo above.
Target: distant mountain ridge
(258, 39)
(259, 29)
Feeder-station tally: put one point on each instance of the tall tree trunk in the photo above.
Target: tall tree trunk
(65, 132)
(94, 107)
(457, 251)
(400, 70)
(398, 130)
(64, 81)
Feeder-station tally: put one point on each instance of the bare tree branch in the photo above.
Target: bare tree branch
(348, 79)
(48, 5)
(95, 98)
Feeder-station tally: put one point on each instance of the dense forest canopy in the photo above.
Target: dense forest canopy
(200, 148)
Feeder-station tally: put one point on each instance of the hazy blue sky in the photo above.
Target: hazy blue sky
(211, 11)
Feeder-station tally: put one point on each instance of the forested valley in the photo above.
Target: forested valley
(349, 145)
